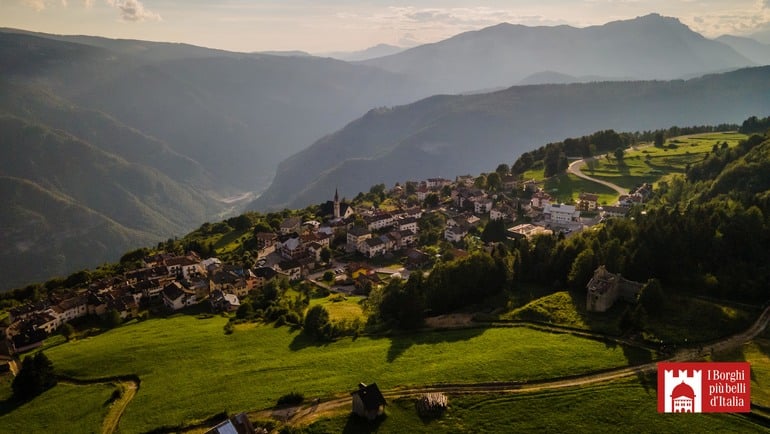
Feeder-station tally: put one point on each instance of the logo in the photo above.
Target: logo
(704, 387)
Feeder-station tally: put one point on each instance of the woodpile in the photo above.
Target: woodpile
(431, 404)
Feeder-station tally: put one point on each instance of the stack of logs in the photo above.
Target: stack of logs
(431, 404)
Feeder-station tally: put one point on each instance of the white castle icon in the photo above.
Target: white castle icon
(683, 392)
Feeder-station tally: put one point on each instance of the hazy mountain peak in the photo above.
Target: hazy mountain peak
(649, 47)
(375, 51)
(754, 50)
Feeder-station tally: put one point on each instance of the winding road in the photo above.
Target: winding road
(307, 414)
(574, 168)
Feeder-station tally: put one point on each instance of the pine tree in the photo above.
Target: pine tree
(36, 376)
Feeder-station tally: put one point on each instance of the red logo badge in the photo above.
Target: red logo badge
(694, 387)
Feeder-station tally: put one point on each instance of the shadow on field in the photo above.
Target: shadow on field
(599, 322)
(302, 341)
(9, 405)
(401, 342)
(356, 424)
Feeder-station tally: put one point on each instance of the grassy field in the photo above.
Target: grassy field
(190, 369)
(65, 408)
(681, 320)
(650, 164)
(757, 353)
(622, 406)
(348, 308)
(567, 187)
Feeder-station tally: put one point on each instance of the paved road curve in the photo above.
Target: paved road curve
(574, 168)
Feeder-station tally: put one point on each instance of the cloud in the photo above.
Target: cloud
(133, 10)
(408, 40)
(37, 5)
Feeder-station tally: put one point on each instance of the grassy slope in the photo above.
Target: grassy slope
(662, 161)
(622, 406)
(348, 309)
(567, 188)
(208, 371)
(65, 408)
(636, 170)
(683, 319)
(757, 353)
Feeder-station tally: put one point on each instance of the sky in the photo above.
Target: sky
(319, 26)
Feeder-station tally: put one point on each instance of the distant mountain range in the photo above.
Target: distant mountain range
(152, 138)
(378, 50)
(449, 135)
(649, 47)
(753, 50)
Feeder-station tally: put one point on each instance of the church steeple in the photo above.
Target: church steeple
(336, 204)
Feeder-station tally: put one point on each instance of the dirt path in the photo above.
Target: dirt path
(111, 420)
(574, 168)
(308, 414)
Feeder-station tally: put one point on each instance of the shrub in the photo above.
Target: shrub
(229, 328)
(293, 398)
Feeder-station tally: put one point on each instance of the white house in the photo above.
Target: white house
(422, 193)
(615, 211)
(379, 221)
(482, 205)
(561, 213)
(540, 200)
(408, 224)
(72, 308)
(455, 233)
(176, 296)
(373, 247)
(291, 224)
(356, 236)
(292, 269)
(499, 213)
(187, 266)
(588, 201)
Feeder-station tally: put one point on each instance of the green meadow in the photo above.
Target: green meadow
(681, 320)
(621, 406)
(649, 163)
(190, 369)
(342, 308)
(566, 188)
(66, 408)
(757, 353)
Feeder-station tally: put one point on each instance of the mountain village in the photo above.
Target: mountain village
(167, 283)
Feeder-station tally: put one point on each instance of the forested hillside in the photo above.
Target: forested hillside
(449, 135)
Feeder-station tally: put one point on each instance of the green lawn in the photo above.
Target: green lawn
(622, 406)
(349, 308)
(567, 309)
(681, 320)
(650, 164)
(190, 369)
(63, 409)
(567, 187)
(757, 353)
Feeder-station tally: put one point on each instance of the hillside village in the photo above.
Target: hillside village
(347, 239)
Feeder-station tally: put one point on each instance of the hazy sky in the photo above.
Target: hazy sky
(319, 26)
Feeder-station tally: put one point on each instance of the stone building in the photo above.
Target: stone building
(605, 288)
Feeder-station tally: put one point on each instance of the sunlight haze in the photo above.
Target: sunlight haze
(319, 27)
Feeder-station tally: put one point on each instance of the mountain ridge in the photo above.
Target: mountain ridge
(446, 135)
(649, 47)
